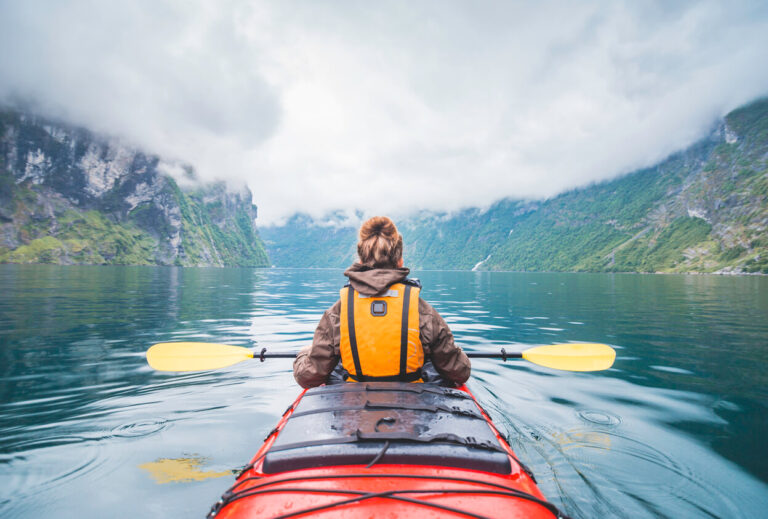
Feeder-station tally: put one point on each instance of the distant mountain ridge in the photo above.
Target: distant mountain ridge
(70, 196)
(703, 209)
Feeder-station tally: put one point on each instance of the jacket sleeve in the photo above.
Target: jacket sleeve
(316, 361)
(437, 339)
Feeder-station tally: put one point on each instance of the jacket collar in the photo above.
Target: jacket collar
(371, 281)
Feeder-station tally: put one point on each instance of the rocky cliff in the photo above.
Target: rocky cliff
(69, 196)
(704, 209)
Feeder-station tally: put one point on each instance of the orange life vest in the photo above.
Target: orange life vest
(380, 335)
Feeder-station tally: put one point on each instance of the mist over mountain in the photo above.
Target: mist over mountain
(702, 209)
(390, 106)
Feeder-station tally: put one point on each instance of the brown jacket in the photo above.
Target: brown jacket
(315, 362)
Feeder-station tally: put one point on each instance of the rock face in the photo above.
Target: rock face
(704, 209)
(72, 197)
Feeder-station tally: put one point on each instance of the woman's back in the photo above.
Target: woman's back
(377, 331)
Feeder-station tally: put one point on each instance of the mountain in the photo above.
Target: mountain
(69, 196)
(703, 209)
(304, 242)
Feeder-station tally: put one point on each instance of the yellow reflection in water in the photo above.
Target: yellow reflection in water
(166, 470)
(580, 439)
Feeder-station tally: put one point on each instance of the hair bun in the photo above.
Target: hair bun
(380, 244)
(378, 226)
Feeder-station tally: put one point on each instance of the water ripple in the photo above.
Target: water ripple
(140, 428)
(599, 417)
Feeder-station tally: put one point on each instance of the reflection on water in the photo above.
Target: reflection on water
(675, 429)
(181, 470)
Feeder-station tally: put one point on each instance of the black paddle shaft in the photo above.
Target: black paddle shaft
(503, 355)
(264, 355)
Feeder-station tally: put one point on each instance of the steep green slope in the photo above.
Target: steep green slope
(68, 196)
(704, 210)
(213, 233)
(582, 229)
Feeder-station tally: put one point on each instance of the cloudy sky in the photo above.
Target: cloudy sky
(390, 106)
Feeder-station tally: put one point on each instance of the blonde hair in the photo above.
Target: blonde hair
(380, 245)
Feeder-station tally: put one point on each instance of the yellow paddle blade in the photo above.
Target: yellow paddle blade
(195, 356)
(572, 357)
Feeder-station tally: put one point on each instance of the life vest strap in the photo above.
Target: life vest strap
(351, 328)
(404, 335)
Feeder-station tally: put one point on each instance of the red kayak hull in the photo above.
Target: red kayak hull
(383, 490)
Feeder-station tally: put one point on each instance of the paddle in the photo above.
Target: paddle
(198, 356)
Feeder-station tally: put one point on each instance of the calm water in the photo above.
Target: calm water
(676, 429)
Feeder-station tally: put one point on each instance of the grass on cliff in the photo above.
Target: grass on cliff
(232, 243)
(663, 250)
(83, 238)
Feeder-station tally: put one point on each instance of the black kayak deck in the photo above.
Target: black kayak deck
(386, 423)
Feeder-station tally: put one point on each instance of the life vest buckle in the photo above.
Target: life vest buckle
(379, 308)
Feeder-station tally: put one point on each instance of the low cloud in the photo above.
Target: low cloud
(390, 106)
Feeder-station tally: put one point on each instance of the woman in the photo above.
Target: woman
(380, 328)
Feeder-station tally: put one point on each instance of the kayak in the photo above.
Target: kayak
(385, 449)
